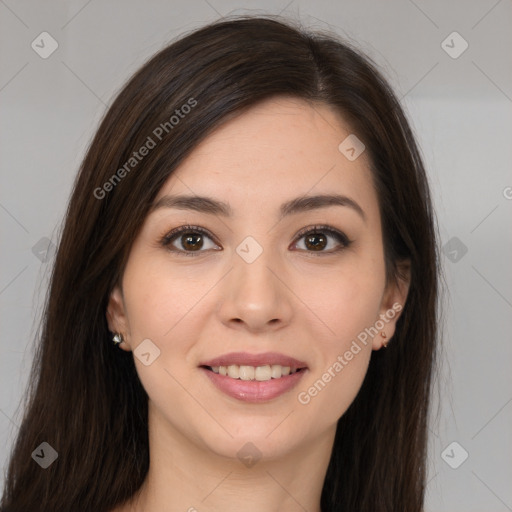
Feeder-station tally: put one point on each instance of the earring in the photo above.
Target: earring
(385, 343)
(118, 338)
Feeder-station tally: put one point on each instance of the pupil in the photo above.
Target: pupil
(192, 241)
(310, 241)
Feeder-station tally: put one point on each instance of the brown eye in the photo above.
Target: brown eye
(315, 242)
(187, 240)
(322, 240)
(192, 241)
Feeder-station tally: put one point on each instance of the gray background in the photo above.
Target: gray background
(460, 109)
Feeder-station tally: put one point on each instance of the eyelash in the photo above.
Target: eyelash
(317, 229)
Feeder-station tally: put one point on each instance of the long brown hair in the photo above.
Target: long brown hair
(85, 399)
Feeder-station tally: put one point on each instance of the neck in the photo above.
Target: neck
(187, 476)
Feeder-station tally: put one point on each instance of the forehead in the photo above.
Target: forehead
(278, 149)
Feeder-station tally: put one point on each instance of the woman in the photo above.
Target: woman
(250, 228)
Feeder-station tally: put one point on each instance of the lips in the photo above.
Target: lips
(246, 359)
(260, 389)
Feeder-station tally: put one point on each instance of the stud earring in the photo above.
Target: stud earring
(118, 338)
(385, 343)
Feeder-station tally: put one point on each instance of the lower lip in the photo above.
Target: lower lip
(253, 390)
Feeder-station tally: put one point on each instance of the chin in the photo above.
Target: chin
(255, 437)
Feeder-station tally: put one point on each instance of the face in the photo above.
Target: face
(259, 281)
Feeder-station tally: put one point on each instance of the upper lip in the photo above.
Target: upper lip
(246, 359)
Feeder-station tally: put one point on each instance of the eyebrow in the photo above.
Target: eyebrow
(211, 206)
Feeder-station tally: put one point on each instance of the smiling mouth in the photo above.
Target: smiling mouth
(256, 373)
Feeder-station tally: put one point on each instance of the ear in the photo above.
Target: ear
(393, 303)
(116, 317)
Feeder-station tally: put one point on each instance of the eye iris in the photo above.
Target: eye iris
(192, 241)
(313, 243)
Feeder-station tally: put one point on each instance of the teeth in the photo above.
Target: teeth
(246, 372)
(263, 373)
(234, 371)
(276, 371)
(260, 373)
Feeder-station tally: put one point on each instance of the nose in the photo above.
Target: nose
(255, 296)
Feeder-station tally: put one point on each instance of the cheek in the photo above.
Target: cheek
(343, 362)
(347, 306)
(345, 302)
(159, 296)
(168, 306)
(328, 396)
(162, 306)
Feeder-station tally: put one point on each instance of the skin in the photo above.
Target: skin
(292, 299)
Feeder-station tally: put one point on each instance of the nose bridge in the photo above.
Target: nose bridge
(255, 277)
(254, 295)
